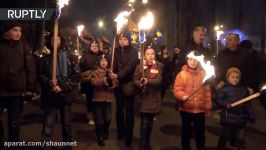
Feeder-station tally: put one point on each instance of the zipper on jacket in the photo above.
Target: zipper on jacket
(195, 104)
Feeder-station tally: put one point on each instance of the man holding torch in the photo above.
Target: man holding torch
(57, 96)
(125, 62)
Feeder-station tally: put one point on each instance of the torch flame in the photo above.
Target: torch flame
(80, 28)
(61, 4)
(121, 20)
(263, 88)
(146, 22)
(209, 69)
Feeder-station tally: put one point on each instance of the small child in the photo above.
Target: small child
(148, 99)
(102, 98)
(233, 119)
(192, 108)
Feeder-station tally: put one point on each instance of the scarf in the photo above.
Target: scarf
(153, 69)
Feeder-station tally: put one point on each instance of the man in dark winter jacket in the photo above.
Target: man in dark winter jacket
(196, 44)
(17, 76)
(57, 96)
(125, 62)
(232, 56)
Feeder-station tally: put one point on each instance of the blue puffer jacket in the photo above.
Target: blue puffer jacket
(239, 115)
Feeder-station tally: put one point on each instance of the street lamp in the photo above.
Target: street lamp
(144, 1)
(100, 24)
(219, 32)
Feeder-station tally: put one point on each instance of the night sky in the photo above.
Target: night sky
(88, 12)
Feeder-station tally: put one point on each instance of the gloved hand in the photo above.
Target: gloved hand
(228, 105)
(109, 82)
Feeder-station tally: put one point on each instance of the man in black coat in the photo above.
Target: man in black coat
(17, 76)
(196, 44)
(125, 62)
(58, 95)
(233, 56)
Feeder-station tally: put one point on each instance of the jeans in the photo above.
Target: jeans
(50, 114)
(145, 130)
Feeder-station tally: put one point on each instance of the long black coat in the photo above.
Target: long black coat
(125, 62)
(239, 115)
(17, 68)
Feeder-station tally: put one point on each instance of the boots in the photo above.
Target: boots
(106, 126)
(99, 134)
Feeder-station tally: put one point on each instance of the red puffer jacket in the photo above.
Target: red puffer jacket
(186, 82)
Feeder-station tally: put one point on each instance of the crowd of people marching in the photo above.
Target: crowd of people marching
(136, 86)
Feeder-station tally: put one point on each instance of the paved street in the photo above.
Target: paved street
(165, 135)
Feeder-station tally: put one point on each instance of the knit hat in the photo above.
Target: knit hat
(9, 24)
(231, 70)
(103, 56)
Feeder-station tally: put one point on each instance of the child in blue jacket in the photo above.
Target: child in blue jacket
(233, 119)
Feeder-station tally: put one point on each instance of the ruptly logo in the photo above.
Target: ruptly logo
(26, 13)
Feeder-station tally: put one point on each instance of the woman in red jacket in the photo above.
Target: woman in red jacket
(192, 108)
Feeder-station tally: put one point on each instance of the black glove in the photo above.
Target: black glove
(109, 82)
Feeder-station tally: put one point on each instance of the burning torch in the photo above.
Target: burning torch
(249, 97)
(60, 4)
(145, 23)
(208, 68)
(121, 20)
(79, 29)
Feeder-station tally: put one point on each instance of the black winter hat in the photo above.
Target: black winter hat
(103, 56)
(9, 24)
(126, 34)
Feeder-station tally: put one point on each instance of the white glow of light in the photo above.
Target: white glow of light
(80, 28)
(216, 28)
(144, 1)
(100, 24)
(146, 22)
(209, 69)
(219, 33)
(61, 4)
(121, 20)
(263, 88)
